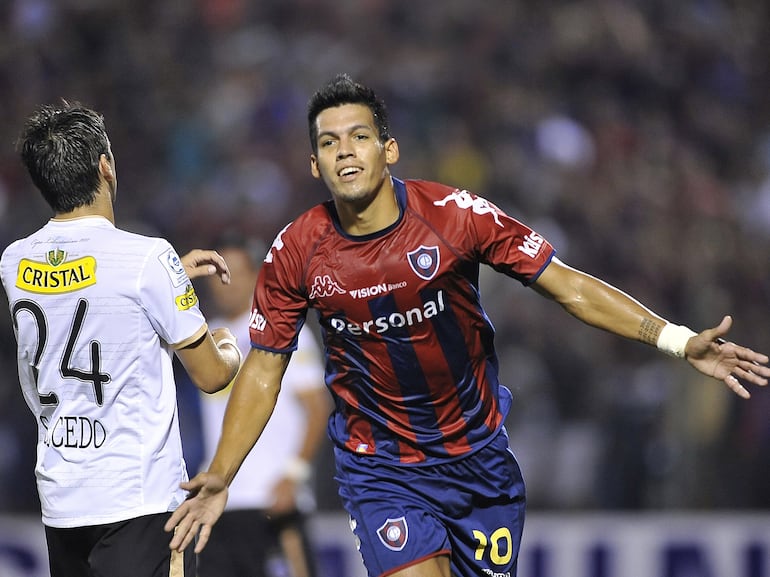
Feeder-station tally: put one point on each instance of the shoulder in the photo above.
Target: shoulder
(317, 218)
(11, 249)
(428, 190)
(305, 231)
(434, 195)
(443, 201)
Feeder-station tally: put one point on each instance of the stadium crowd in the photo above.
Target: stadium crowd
(635, 134)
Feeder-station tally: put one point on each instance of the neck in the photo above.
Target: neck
(360, 219)
(102, 206)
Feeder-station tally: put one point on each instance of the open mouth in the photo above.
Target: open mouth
(349, 172)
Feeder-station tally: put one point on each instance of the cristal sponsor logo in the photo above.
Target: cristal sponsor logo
(56, 276)
(533, 242)
(187, 300)
(392, 321)
(376, 290)
(257, 321)
(325, 286)
(478, 205)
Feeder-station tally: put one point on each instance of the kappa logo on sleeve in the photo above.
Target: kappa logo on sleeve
(394, 533)
(477, 204)
(174, 267)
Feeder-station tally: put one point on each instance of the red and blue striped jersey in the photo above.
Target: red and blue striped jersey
(410, 358)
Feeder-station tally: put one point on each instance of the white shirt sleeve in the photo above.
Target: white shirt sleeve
(168, 296)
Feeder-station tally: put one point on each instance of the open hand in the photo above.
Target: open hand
(197, 515)
(712, 355)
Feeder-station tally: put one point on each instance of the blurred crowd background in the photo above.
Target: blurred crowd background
(633, 134)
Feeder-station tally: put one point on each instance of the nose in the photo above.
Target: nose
(344, 149)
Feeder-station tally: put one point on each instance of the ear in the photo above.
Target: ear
(105, 168)
(314, 166)
(391, 151)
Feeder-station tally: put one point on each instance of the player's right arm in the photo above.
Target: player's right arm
(249, 407)
(212, 360)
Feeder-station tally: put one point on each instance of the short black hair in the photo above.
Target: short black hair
(60, 146)
(342, 89)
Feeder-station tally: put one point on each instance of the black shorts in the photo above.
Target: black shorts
(246, 543)
(134, 548)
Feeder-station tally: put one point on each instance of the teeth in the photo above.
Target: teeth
(347, 171)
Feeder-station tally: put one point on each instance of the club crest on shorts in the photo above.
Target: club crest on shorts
(424, 261)
(394, 533)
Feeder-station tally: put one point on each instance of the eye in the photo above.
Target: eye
(327, 142)
(361, 136)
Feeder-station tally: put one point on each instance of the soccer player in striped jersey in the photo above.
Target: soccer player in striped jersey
(98, 313)
(391, 267)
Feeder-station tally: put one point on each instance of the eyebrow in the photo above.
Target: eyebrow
(349, 130)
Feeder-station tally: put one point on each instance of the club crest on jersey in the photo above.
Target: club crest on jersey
(424, 261)
(55, 257)
(394, 533)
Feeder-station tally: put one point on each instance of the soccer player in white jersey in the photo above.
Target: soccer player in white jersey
(98, 314)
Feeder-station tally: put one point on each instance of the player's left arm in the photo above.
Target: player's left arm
(601, 305)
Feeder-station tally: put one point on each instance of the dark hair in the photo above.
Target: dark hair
(60, 147)
(255, 247)
(342, 89)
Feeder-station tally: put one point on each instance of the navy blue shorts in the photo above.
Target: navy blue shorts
(471, 509)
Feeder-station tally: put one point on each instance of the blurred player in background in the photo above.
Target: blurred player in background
(392, 268)
(262, 533)
(98, 314)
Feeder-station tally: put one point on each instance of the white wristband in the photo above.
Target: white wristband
(673, 339)
(298, 470)
(230, 341)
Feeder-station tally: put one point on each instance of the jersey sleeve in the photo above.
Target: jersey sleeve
(280, 304)
(506, 244)
(168, 297)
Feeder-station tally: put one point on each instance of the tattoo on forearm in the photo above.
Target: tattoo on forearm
(649, 331)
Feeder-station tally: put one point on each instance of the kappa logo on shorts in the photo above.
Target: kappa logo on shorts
(394, 533)
(424, 261)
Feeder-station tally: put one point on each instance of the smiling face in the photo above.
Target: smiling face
(351, 159)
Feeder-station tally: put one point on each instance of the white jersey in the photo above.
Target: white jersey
(97, 313)
(281, 440)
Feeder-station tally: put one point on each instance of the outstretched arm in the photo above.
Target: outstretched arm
(249, 407)
(603, 306)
